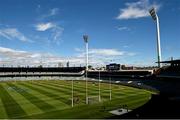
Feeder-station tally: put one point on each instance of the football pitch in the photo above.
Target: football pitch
(52, 99)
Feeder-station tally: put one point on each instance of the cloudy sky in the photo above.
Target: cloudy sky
(35, 32)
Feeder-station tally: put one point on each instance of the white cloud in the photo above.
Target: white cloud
(123, 28)
(55, 32)
(11, 53)
(51, 12)
(14, 57)
(13, 33)
(17, 57)
(104, 56)
(136, 9)
(78, 50)
(106, 52)
(142, 63)
(130, 54)
(44, 26)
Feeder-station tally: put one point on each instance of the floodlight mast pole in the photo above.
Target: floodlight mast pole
(158, 41)
(85, 37)
(155, 17)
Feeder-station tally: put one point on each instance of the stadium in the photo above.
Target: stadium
(71, 92)
(47, 93)
(58, 96)
(48, 70)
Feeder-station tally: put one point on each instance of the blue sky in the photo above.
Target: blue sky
(46, 32)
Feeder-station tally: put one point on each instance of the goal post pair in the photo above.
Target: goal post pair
(93, 99)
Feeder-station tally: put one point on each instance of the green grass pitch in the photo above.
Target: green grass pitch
(52, 99)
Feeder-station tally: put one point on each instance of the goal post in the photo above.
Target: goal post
(93, 99)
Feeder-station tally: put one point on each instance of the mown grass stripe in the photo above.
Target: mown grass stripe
(2, 110)
(25, 104)
(79, 89)
(66, 92)
(41, 104)
(13, 109)
(49, 94)
(82, 83)
(54, 102)
(92, 111)
(124, 90)
(63, 91)
(92, 91)
(58, 90)
(91, 87)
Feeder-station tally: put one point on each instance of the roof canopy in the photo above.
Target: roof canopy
(171, 61)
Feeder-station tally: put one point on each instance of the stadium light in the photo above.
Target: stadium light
(85, 37)
(155, 17)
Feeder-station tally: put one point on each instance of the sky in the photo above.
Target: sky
(48, 32)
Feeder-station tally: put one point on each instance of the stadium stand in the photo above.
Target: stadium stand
(40, 71)
(172, 70)
(166, 104)
(118, 74)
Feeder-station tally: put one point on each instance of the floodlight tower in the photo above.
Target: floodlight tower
(155, 17)
(85, 37)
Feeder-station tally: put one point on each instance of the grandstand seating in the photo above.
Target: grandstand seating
(170, 71)
(118, 73)
(42, 69)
